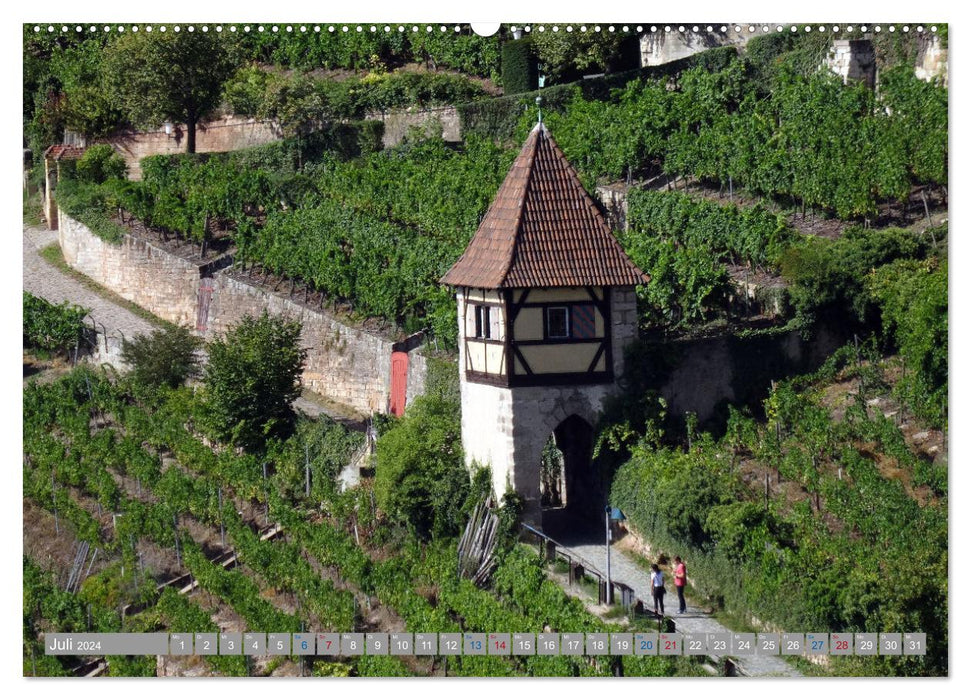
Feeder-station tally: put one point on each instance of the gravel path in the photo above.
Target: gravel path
(626, 570)
(44, 280)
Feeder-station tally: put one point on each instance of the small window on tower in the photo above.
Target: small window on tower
(483, 329)
(557, 322)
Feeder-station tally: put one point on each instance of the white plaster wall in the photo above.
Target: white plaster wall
(487, 432)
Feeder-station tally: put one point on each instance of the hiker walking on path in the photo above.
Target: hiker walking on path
(657, 588)
(680, 578)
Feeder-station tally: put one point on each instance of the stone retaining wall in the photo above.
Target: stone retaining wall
(346, 364)
(225, 134)
(436, 121)
(350, 365)
(135, 269)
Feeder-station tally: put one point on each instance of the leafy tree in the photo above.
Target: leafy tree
(563, 54)
(166, 358)
(175, 76)
(252, 377)
(87, 108)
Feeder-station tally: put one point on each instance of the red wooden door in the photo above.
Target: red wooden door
(399, 382)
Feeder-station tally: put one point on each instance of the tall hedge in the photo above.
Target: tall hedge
(519, 67)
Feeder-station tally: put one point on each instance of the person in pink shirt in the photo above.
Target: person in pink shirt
(680, 578)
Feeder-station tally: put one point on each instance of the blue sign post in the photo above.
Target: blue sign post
(611, 514)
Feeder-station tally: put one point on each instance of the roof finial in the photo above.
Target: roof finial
(539, 108)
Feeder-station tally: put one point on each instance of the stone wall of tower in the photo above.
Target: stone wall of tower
(853, 59)
(507, 428)
(623, 321)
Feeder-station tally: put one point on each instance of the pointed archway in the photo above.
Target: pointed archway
(572, 493)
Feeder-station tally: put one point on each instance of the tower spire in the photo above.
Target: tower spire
(539, 108)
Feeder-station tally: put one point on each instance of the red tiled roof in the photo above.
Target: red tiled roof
(64, 152)
(543, 230)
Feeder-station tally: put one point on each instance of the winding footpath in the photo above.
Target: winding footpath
(44, 280)
(48, 282)
(625, 569)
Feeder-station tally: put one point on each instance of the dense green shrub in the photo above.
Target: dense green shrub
(829, 276)
(52, 327)
(913, 303)
(420, 478)
(100, 163)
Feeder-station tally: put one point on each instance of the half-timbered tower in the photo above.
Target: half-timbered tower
(546, 307)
